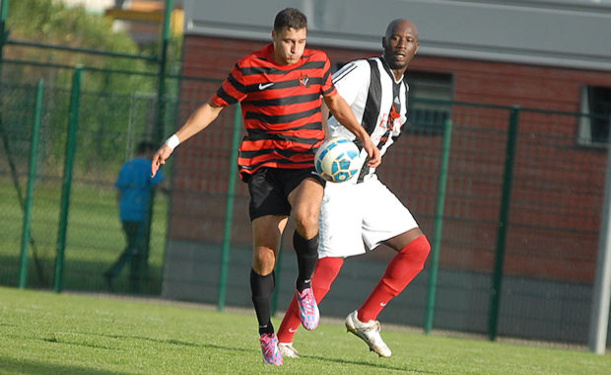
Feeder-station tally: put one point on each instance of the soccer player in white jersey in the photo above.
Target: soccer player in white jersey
(363, 213)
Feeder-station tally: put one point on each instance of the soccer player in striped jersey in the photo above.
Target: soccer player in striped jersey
(363, 211)
(281, 88)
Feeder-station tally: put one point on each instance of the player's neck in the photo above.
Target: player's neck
(396, 72)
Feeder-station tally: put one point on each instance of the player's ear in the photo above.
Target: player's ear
(383, 42)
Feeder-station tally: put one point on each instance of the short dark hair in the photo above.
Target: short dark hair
(146, 146)
(290, 18)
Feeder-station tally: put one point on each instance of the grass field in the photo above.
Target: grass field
(50, 333)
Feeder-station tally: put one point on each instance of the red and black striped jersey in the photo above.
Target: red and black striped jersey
(280, 108)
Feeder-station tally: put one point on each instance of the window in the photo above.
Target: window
(596, 119)
(428, 93)
(426, 114)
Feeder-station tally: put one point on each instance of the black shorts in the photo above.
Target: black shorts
(270, 187)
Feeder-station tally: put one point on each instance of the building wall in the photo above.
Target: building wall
(565, 33)
(557, 188)
(535, 86)
(495, 83)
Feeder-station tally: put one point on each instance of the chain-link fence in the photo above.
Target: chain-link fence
(83, 224)
(518, 235)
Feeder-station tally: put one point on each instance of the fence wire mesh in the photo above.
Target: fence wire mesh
(551, 231)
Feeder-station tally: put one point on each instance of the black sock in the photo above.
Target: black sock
(307, 256)
(261, 290)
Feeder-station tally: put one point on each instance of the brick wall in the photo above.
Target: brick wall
(557, 187)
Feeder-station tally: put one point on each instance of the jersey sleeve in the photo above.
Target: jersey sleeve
(232, 90)
(328, 88)
(352, 79)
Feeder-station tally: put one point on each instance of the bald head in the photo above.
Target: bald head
(400, 44)
(394, 25)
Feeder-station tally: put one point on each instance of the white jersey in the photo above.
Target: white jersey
(347, 228)
(378, 101)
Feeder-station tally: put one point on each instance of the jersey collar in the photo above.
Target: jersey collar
(389, 71)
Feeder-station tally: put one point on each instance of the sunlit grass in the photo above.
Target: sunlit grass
(50, 333)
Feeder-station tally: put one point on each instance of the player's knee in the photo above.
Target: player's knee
(263, 261)
(306, 224)
(307, 228)
(418, 250)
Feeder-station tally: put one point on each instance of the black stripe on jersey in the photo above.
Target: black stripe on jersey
(325, 77)
(283, 84)
(304, 164)
(372, 109)
(372, 106)
(344, 71)
(325, 93)
(286, 100)
(287, 154)
(282, 118)
(236, 84)
(221, 93)
(261, 134)
(404, 82)
(387, 68)
(396, 92)
(254, 70)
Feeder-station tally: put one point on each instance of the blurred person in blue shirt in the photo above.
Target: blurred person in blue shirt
(135, 187)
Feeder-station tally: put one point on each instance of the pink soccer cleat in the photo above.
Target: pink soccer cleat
(269, 347)
(308, 309)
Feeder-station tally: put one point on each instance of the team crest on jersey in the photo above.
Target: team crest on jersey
(391, 119)
(304, 81)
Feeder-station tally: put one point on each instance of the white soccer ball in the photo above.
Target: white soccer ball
(337, 160)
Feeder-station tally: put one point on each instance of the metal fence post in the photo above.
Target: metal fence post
(434, 263)
(601, 290)
(29, 195)
(497, 276)
(67, 185)
(158, 131)
(233, 167)
(277, 273)
(3, 35)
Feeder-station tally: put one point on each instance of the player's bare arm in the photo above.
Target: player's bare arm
(198, 121)
(342, 112)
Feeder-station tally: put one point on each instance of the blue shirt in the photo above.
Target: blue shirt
(135, 183)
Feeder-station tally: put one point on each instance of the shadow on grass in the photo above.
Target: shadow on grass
(10, 365)
(380, 365)
(365, 364)
(75, 342)
(174, 342)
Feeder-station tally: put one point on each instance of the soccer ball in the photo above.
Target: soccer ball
(337, 160)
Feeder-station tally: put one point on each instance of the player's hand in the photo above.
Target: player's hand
(159, 158)
(373, 152)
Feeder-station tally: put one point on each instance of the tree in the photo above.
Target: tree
(115, 105)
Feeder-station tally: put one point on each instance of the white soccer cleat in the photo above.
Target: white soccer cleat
(288, 350)
(368, 332)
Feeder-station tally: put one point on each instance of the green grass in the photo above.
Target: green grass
(49, 333)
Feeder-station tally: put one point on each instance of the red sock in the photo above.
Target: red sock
(401, 270)
(325, 273)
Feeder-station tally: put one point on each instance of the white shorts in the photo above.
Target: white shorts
(353, 216)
